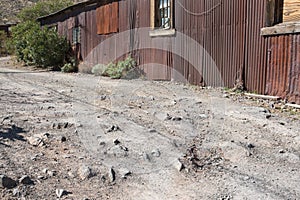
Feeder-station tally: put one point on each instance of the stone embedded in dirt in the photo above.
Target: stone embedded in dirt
(117, 142)
(177, 119)
(26, 180)
(60, 192)
(124, 172)
(203, 116)
(36, 141)
(155, 153)
(178, 165)
(16, 192)
(281, 151)
(146, 157)
(113, 128)
(6, 182)
(63, 139)
(45, 171)
(111, 175)
(84, 172)
(250, 146)
(152, 130)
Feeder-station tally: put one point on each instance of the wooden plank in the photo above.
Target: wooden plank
(293, 105)
(262, 96)
(291, 11)
(114, 19)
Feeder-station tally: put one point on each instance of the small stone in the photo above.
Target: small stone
(203, 116)
(124, 172)
(41, 177)
(84, 172)
(63, 139)
(268, 116)
(146, 157)
(103, 98)
(60, 192)
(155, 153)
(45, 171)
(6, 182)
(35, 141)
(281, 151)
(51, 173)
(246, 178)
(282, 123)
(117, 142)
(113, 128)
(178, 165)
(226, 96)
(26, 180)
(250, 146)
(177, 118)
(111, 175)
(152, 131)
(16, 192)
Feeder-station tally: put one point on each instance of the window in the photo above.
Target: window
(76, 35)
(162, 17)
(282, 17)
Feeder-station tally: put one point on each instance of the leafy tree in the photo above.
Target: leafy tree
(43, 8)
(38, 46)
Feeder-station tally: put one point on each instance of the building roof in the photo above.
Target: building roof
(75, 7)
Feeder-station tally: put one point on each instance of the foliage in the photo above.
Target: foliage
(43, 8)
(70, 67)
(36, 46)
(98, 69)
(117, 71)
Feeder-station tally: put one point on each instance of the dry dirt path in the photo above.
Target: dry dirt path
(229, 150)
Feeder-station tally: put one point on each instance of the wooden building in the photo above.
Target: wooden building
(203, 42)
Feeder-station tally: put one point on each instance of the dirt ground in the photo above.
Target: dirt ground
(78, 136)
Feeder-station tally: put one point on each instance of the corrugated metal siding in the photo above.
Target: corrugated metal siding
(283, 76)
(228, 30)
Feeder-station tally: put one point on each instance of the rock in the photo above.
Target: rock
(84, 172)
(16, 192)
(113, 128)
(63, 139)
(146, 157)
(111, 175)
(35, 141)
(60, 192)
(152, 131)
(45, 171)
(124, 172)
(177, 119)
(117, 142)
(226, 96)
(178, 165)
(155, 153)
(250, 146)
(51, 173)
(281, 151)
(6, 182)
(203, 116)
(26, 180)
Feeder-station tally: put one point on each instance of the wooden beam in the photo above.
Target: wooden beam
(275, 98)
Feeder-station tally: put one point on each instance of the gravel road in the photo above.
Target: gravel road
(78, 136)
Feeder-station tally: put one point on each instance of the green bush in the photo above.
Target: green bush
(119, 70)
(40, 47)
(70, 67)
(98, 69)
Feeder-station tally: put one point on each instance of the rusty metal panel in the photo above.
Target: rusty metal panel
(284, 67)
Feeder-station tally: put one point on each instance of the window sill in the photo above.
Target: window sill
(281, 29)
(162, 32)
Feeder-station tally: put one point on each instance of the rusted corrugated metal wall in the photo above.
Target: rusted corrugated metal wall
(284, 67)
